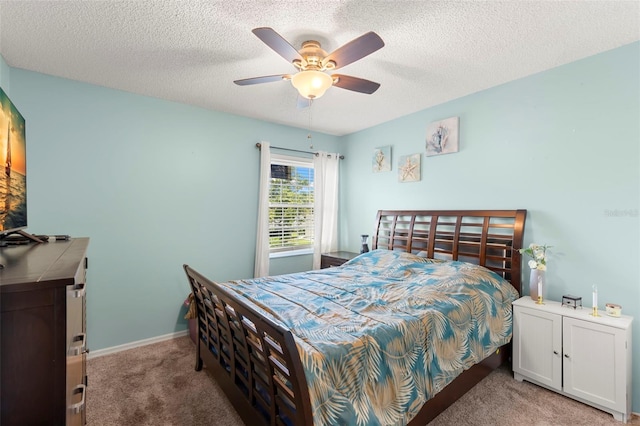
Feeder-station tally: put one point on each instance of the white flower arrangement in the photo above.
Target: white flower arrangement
(538, 253)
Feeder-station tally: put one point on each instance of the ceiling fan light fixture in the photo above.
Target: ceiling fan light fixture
(311, 84)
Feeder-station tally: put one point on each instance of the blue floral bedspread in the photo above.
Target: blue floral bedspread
(386, 331)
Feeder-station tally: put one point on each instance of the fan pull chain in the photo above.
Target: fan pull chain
(309, 137)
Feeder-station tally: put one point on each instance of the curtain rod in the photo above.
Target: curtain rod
(259, 146)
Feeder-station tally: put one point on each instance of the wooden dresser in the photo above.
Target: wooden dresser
(43, 333)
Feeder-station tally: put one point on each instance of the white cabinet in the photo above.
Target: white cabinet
(573, 353)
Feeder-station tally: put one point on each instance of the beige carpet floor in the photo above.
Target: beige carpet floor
(157, 385)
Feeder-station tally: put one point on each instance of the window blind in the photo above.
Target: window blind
(291, 198)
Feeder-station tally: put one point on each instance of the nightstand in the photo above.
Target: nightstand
(336, 258)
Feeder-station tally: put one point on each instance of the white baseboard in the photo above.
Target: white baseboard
(136, 344)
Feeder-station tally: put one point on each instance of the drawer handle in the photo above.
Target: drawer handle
(79, 349)
(78, 406)
(78, 290)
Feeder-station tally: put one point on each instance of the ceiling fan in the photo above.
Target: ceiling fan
(312, 62)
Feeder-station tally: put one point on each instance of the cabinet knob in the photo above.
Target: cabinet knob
(555, 352)
(566, 355)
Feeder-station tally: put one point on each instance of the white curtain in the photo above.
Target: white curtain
(326, 169)
(261, 268)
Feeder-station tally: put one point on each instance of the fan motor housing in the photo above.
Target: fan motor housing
(313, 55)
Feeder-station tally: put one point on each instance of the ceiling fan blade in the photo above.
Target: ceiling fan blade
(355, 84)
(356, 49)
(277, 43)
(263, 79)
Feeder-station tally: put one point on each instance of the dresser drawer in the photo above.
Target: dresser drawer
(76, 390)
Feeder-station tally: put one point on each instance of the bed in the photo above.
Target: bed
(277, 365)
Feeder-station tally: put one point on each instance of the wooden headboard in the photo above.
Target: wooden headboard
(490, 238)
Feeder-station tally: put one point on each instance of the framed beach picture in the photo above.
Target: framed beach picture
(381, 160)
(442, 136)
(13, 167)
(409, 168)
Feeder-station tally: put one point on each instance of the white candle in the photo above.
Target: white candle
(539, 287)
(595, 296)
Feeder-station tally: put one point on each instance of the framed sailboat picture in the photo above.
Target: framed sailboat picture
(13, 170)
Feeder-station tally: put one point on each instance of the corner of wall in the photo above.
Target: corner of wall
(4, 75)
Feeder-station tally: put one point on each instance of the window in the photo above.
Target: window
(291, 215)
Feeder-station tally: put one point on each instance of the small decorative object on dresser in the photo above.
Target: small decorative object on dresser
(573, 353)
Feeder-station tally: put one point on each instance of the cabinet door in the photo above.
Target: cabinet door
(594, 363)
(537, 346)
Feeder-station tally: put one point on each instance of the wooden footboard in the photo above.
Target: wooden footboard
(254, 360)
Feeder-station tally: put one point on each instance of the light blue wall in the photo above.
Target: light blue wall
(563, 144)
(154, 184)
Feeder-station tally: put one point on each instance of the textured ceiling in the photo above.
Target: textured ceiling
(191, 51)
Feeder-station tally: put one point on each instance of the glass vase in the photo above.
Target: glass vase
(536, 283)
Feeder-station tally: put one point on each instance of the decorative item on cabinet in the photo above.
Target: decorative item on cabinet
(538, 265)
(571, 301)
(594, 309)
(537, 281)
(613, 310)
